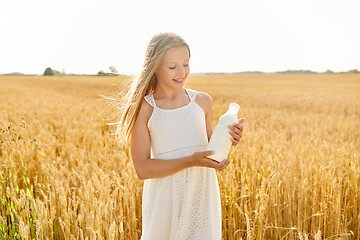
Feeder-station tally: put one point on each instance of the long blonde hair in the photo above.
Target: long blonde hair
(145, 82)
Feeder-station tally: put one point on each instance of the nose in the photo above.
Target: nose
(182, 72)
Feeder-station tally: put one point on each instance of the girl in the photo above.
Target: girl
(170, 127)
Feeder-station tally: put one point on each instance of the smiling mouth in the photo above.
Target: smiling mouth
(179, 80)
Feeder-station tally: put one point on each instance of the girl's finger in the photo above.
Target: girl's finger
(225, 163)
(241, 120)
(221, 167)
(238, 126)
(234, 129)
(232, 134)
(236, 136)
(207, 153)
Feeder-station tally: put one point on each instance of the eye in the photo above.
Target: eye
(186, 65)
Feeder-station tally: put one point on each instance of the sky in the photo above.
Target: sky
(86, 36)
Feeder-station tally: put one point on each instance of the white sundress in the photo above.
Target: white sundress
(185, 205)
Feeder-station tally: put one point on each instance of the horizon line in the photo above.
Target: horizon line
(298, 71)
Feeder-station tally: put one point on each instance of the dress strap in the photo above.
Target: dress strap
(192, 93)
(150, 99)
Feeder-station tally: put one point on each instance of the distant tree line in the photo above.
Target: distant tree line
(308, 71)
(281, 72)
(112, 69)
(49, 71)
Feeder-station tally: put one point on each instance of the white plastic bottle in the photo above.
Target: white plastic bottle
(220, 140)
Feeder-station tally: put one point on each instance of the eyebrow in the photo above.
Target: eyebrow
(175, 62)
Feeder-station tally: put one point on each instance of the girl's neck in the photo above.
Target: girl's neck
(161, 93)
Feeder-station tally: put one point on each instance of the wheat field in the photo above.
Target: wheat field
(294, 175)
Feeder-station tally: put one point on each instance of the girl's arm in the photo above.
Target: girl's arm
(147, 167)
(140, 151)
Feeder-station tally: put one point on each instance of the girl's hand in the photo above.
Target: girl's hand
(200, 159)
(236, 131)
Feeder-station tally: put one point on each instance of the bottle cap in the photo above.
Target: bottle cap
(234, 107)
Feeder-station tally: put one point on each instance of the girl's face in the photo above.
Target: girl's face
(173, 67)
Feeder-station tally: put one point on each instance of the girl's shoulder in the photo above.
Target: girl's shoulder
(204, 100)
(201, 96)
(198, 94)
(146, 110)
